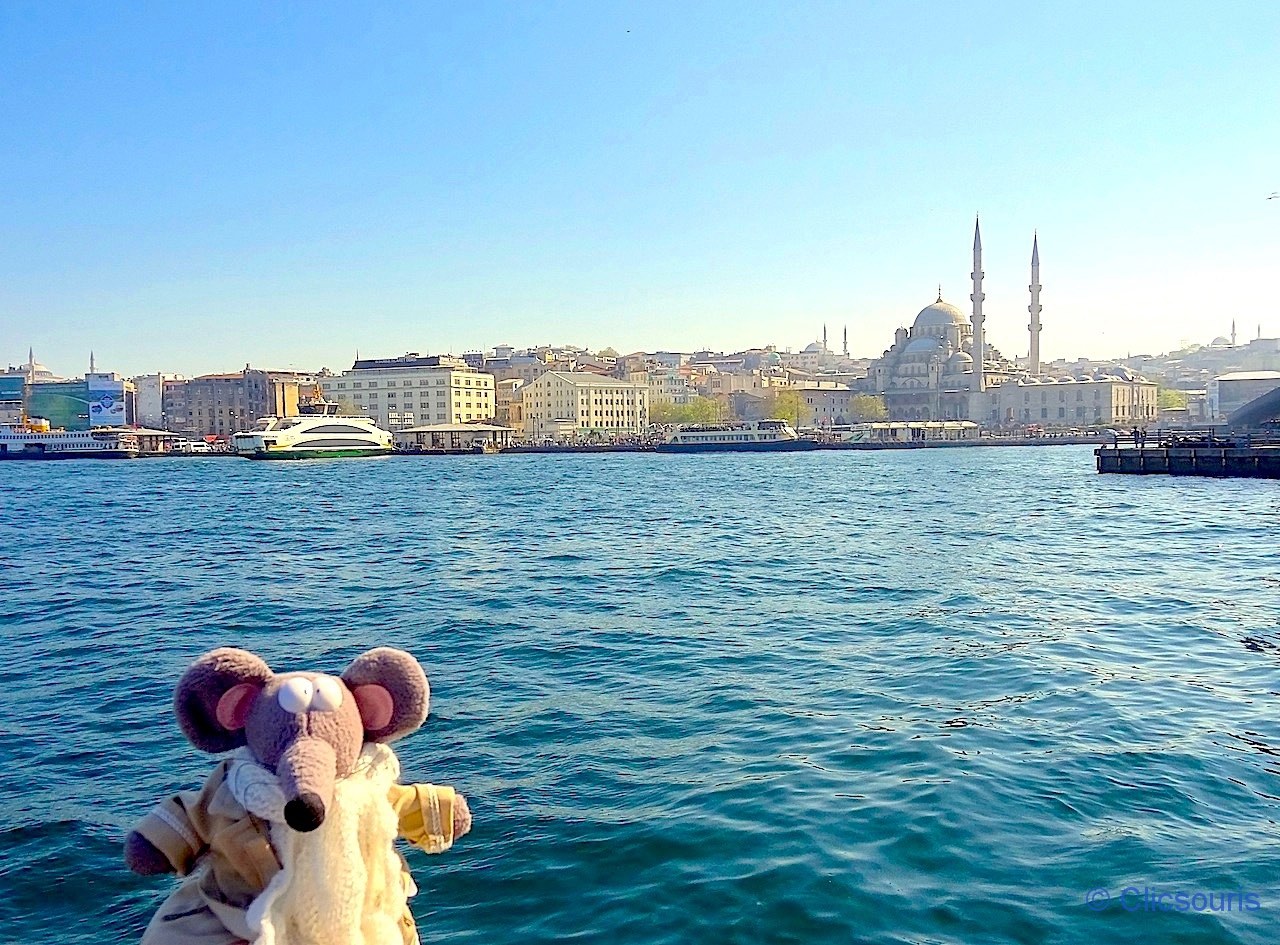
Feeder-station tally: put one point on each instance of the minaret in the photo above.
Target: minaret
(92, 369)
(824, 339)
(1233, 332)
(31, 363)
(846, 341)
(979, 344)
(1033, 360)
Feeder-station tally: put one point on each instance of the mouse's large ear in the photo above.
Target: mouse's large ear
(215, 695)
(391, 690)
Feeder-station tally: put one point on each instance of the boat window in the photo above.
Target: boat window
(339, 428)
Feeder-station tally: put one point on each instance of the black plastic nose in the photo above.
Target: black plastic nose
(305, 812)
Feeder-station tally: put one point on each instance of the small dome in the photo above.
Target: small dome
(1220, 342)
(938, 315)
(960, 363)
(774, 359)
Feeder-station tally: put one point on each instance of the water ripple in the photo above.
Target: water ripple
(918, 696)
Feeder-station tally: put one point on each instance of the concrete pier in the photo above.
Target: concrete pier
(1224, 458)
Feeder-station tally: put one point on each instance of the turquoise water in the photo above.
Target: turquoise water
(930, 696)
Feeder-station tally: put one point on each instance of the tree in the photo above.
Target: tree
(867, 408)
(1171, 399)
(697, 410)
(783, 403)
(606, 353)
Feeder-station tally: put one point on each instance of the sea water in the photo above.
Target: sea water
(943, 696)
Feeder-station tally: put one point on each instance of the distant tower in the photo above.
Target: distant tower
(979, 345)
(31, 362)
(1033, 361)
(824, 339)
(846, 341)
(92, 369)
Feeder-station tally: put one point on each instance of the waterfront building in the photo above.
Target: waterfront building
(454, 438)
(1227, 393)
(413, 390)
(99, 399)
(581, 405)
(1111, 397)
(223, 404)
(826, 403)
(908, 431)
(151, 398)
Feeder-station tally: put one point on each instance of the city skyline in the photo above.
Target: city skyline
(289, 186)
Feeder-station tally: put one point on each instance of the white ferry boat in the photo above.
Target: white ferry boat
(32, 439)
(318, 433)
(767, 436)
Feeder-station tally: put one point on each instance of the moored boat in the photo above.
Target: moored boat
(753, 436)
(33, 439)
(317, 433)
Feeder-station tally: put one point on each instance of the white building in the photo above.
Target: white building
(414, 391)
(1102, 399)
(151, 407)
(580, 405)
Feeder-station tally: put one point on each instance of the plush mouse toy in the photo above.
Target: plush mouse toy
(291, 840)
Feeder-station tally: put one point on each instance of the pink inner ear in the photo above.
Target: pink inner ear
(233, 707)
(376, 706)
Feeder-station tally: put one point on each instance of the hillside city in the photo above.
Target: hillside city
(925, 375)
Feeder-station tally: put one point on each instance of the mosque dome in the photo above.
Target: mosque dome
(922, 346)
(814, 348)
(938, 315)
(773, 359)
(960, 362)
(1220, 342)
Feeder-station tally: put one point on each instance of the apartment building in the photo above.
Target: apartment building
(581, 405)
(413, 390)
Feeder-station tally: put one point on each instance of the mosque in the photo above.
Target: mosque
(930, 372)
(943, 369)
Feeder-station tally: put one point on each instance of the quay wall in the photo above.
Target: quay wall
(1256, 462)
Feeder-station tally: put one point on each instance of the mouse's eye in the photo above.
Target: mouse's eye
(296, 694)
(328, 694)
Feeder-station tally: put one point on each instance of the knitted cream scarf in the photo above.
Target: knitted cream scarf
(342, 883)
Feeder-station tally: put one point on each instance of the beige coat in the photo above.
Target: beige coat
(227, 859)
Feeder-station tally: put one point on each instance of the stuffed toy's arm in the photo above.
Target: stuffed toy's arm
(431, 816)
(173, 836)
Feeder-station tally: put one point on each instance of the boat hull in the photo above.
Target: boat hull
(37, 455)
(318, 453)
(782, 446)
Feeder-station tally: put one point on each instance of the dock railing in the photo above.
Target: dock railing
(1191, 438)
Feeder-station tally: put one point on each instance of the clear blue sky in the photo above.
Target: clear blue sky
(191, 186)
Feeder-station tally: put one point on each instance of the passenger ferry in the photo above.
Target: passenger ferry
(32, 439)
(317, 433)
(758, 436)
